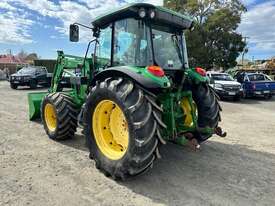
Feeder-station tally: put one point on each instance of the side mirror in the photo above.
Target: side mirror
(74, 33)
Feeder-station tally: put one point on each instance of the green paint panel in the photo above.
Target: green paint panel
(181, 140)
(34, 100)
(163, 82)
(174, 116)
(195, 77)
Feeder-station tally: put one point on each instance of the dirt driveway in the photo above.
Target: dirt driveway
(237, 170)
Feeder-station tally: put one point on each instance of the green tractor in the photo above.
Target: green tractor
(134, 92)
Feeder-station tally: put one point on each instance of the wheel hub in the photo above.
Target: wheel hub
(110, 129)
(50, 117)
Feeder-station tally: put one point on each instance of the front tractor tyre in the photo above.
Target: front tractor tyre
(122, 126)
(59, 116)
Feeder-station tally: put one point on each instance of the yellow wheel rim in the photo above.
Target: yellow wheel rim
(110, 129)
(50, 117)
(187, 109)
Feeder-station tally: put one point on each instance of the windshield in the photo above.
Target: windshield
(167, 48)
(222, 77)
(26, 70)
(132, 45)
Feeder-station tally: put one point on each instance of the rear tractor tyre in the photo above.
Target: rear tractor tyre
(122, 126)
(59, 116)
(207, 102)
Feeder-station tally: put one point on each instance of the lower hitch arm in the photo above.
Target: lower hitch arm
(218, 131)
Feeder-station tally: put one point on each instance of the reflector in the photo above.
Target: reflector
(156, 70)
(201, 71)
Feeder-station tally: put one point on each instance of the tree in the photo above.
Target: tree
(31, 56)
(22, 54)
(214, 41)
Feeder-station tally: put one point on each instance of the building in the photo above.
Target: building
(10, 63)
(48, 63)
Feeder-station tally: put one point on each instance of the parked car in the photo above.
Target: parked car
(30, 76)
(256, 84)
(225, 86)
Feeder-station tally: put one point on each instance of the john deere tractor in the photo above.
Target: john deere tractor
(132, 93)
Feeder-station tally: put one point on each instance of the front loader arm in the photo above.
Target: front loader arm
(58, 72)
(65, 62)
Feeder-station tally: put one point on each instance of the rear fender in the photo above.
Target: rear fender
(139, 74)
(195, 77)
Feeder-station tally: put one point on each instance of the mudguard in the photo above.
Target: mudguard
(139, 74)
(195, 77)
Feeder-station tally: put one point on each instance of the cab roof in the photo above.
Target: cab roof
(163, 16)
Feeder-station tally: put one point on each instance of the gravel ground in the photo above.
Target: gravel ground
(236, 170)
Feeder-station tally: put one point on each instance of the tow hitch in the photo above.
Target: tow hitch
(193, 142)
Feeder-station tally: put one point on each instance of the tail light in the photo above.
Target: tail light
(156, 70)
(200, 71)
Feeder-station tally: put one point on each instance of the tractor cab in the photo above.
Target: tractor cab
(141, 35)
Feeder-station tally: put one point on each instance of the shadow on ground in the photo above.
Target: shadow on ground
(77, 142)
(219, 173)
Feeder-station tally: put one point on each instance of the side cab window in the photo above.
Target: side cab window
(104, 48)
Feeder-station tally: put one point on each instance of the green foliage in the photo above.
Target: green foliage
(214, 42)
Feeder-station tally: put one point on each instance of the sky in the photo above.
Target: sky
(41, 26)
